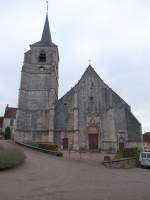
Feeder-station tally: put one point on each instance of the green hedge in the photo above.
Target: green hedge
(52, 147)
(7, 134)
(130, 152)
(47, 146)
(126, 153)
(10, 158)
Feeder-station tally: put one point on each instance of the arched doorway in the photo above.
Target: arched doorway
(93, 135)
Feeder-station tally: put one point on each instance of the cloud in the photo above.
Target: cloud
(115, 35)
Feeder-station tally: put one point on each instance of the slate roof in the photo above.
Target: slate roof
(46, 36)
(10, 112)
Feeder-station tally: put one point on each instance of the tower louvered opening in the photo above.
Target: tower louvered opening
(42, 57)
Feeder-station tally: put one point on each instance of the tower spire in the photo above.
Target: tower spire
(46, 35)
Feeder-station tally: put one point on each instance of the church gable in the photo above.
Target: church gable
(91, 88)
(91, 76)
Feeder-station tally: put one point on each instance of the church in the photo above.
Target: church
(91, 116)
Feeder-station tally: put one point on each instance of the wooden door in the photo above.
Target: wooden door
(65, 143)
(93, 141)
(121, 145)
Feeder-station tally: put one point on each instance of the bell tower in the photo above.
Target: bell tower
(38, 92)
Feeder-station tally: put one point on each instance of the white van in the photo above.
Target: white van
(144, 159)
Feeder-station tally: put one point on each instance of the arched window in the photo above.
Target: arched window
(42, 57)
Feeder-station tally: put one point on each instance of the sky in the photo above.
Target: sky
(113, 34)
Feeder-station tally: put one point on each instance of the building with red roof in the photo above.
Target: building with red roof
(146, 140)
(9, 119)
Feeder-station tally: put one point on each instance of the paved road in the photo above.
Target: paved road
(44, 177)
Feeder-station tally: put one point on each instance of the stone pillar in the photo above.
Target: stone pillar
(76, 140)
(110, 137)
(52, 103)
(51, 126)
(51, 136)
(76, 124)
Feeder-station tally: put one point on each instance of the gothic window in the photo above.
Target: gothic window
(92, 85)
(42, 57)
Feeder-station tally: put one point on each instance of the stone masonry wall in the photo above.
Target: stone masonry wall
(38, 94)
(97, 105)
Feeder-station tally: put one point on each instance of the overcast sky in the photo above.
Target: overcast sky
(114, 34)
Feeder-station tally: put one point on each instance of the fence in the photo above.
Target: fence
(84, 155)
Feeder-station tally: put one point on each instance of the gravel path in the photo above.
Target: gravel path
(44, 177)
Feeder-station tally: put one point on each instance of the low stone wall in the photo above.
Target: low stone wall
(55, 153)
(122, 163)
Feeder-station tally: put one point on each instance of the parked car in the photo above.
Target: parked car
(144, 159)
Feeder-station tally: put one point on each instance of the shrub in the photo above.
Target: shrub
(126, 153)
(7, 134)
(47, 146)
(34, 145)
(10, 158)
(130, 152)
(118, 155)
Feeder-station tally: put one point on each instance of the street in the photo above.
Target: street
(45, 177)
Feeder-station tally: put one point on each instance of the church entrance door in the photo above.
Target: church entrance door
(65, 143)
(121, 145)
(93, 141)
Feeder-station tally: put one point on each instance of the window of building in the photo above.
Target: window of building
(42, 57)
(41, 69)
(91, 98)
(92, 85)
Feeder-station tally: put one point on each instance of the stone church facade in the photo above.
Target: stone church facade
(90, 116)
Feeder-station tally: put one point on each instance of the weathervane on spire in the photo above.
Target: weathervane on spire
(47, 5)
